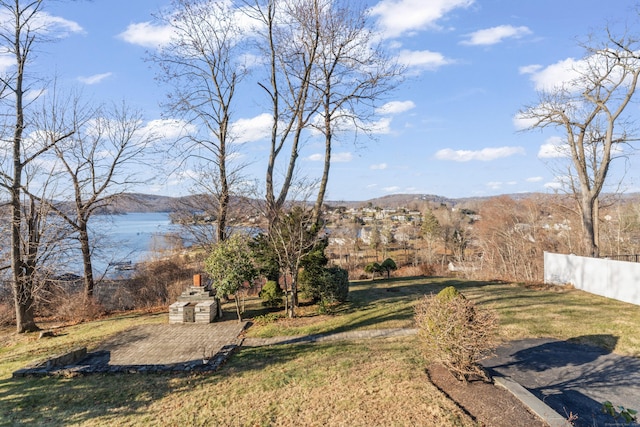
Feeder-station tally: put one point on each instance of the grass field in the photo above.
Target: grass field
(376, 382)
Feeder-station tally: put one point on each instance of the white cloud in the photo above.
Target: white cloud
(95, 79)
(486, 154)
(494, 35)
(6, 62)
(534, 179)
(423, 59)
(381, 127)
(554, 147)
(396, 107)
(335, 157)
(494, 185)
(169, 129)
(43, 23)
(554, 185)
(253, 129)
(57, 24)
(555, 75)
(33, 94)
(342, 157)
(521, 123)
(530, 69)
(378, 167)
(391, 189)
(398, 17)
(147, 34)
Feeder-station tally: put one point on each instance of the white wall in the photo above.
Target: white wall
(613, 279)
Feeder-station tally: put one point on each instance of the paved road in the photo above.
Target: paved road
(571, 378)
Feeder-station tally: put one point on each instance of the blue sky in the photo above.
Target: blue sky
(450, 129)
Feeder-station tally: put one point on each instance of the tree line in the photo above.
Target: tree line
(317, 67)
(321, 70)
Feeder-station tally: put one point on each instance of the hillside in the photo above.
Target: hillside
(137, 202)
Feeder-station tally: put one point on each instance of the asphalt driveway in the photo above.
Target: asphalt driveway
(571, 378)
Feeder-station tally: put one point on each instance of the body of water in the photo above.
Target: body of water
(129, 238)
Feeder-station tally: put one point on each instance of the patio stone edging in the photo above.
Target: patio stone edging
(91, 364)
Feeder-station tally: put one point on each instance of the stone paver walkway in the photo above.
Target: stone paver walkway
(340, 336)
(169, 344)
(153, 348)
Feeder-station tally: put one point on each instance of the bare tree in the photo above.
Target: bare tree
(203, 63)
(22, 28)
(293, 235)
(291, 49)
(99, 163)
(591, 111)
(352, 73)
(325, 72)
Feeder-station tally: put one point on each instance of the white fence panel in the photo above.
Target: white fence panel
(612, 279)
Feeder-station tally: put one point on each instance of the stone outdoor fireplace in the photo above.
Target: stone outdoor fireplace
(195, 305)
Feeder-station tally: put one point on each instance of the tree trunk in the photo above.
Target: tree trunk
(327, 165)
(237, 300)
(85, 247)
(588, 224)
(219, 308)
(25, 319)
(22, 286)
(223, 206)
(223, 199)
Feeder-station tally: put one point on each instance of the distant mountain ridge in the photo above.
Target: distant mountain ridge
(138, 202)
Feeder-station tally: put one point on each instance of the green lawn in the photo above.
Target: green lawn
(375, 382)
(524, 312)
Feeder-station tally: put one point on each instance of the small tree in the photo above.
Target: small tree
(271, 294)
(230, 266)
(372, 268)
(388, 265)
(430, 231)
(293, 235)
(375, 239)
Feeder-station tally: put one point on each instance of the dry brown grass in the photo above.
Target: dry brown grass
(362, 383)
(345, 384)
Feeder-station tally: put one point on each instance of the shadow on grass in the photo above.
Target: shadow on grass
(368, 303)
(259, 358)
(60, 401)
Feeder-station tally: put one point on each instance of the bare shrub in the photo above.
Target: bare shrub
(159, 282)
(417, 270)
(7, 313)
(455, 332)
(75, 307)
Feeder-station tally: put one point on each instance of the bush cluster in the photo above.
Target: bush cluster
(455, 332)
(271, 294)
(326, 285)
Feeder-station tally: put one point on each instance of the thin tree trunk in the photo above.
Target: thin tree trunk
(223, 200)
(89, 282)
(237, 300)
(223, 207)
(325, 172)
